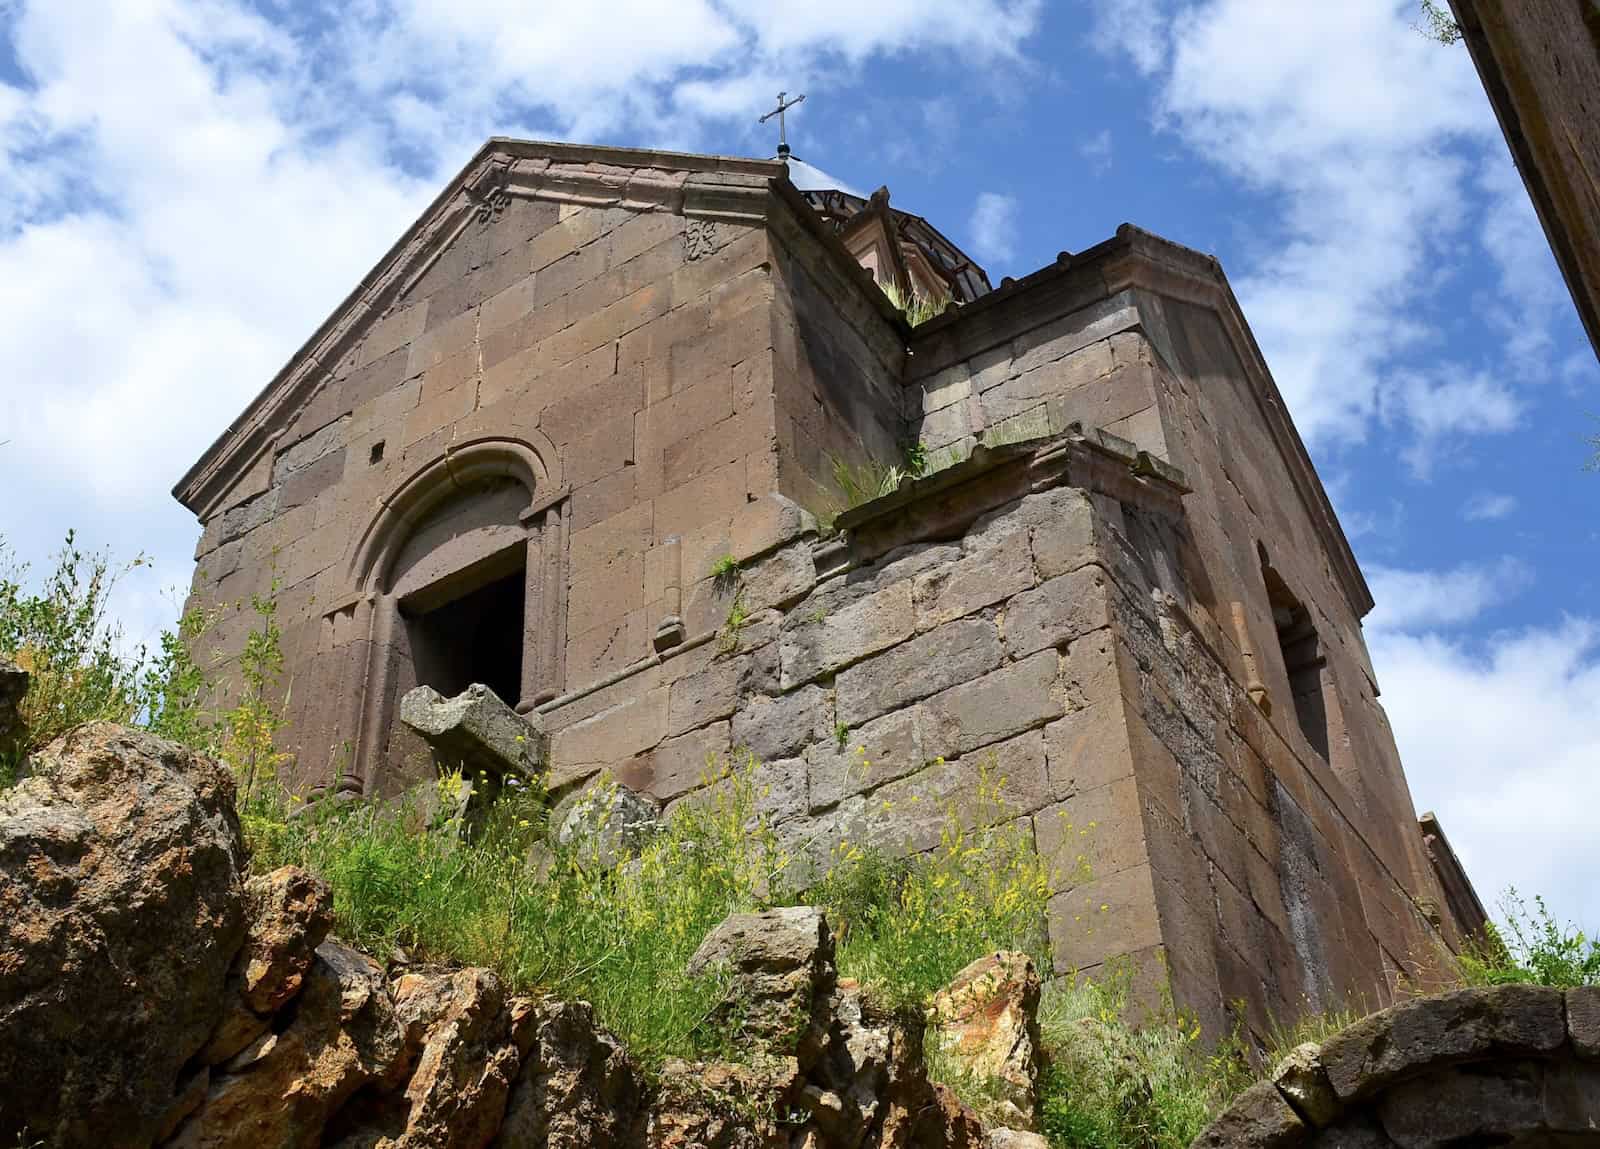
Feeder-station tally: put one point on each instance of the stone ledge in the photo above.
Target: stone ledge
(1488, 1065)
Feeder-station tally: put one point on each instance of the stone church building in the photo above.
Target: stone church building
(580, 437)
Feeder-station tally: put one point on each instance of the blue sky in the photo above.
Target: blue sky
(188, 186)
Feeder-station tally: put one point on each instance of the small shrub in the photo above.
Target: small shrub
(1531, 947)
(73, 652)
(907, 927)
(1109, 1085)
(917, 308)
(738, 616)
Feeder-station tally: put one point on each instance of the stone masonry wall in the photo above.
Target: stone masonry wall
(637, 343)
(1077, 593)
(1273, 876)
(875, 681)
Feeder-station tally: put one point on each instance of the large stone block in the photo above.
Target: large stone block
(1103, 918)
(954, 653)
(862, 759)
(780, 727)
(675, 766)
(715, 692)
(1258, 1119)
(975, 581)
(829, 639)
(1058, 611)
(1381, 1049)
(608, 738)
(1001, 703)
(475, 731)
(1101, 829)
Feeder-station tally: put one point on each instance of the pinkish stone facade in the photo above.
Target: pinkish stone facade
(586, 375)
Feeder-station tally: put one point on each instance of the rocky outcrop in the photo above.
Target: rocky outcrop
(986, 1024)
(122, 906)
(153, 994)
(1504, 1065)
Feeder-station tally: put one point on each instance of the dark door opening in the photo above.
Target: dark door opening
(476, 637)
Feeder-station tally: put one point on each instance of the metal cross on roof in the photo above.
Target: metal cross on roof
(783, 132)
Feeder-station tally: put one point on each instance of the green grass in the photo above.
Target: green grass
(621, 938)
(1532, 947)
(1108, 1085)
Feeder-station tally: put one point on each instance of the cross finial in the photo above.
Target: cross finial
(783, 131)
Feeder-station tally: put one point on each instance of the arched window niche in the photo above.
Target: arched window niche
(458, 578)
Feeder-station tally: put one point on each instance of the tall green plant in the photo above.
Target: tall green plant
(74, 652)
(908, 926)
(1531, 947)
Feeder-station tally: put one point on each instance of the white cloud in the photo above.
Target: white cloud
(993, 227)
(1096, 151)
(1443, 404)
(1487, 506)
(1135, 28)
(1417, 599)
(1502, 742)
(1498, 736)
(1368, 138)
(187, 188)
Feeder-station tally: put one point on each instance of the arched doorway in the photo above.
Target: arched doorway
(458, 578)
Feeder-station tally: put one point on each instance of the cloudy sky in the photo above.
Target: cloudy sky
(187, 187)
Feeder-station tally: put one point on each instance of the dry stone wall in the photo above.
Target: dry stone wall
(222, 1013)
(1509, 1065)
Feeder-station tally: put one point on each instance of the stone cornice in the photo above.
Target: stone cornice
(711, 187)
(1133, 261)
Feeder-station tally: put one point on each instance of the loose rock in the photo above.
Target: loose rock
(476, 731)
(986, 1021)
(605, 823)
(121, 908)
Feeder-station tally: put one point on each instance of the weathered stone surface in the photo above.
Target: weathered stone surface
(976, 580)
(1471, 1022)
(290, 912)
(986, 1021)
(1302, 1080)
(716, 691)
(772, 728)
(1259, 1118)
(604, 823)
(778, 961)
(466, 1058)
(577, 1088)
(475, 731)
(957, 652)
(1001, 703)
(1583, 1020)
(1464, 1106)
(1056, 612)
(779, 580)
(884, 749)
(1015, 1139)
(832, 638)
(284, 1089)
(13, 686)
(121, 909)
(1361, 1131)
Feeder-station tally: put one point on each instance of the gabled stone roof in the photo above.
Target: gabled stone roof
(709, 187)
